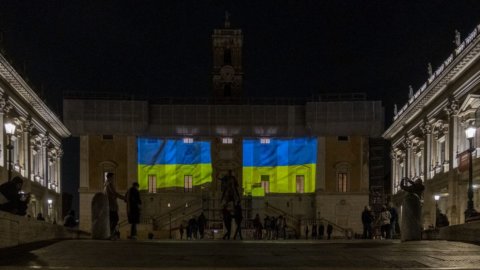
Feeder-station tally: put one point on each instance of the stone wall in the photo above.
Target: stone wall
(469, 232)
(16, 230)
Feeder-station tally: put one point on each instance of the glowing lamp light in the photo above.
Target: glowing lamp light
(10, 128)
(437, 197)
(470, 132)
(168, 205)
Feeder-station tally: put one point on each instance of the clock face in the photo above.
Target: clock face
(227, 73)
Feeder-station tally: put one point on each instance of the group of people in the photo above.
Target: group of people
(275, 227)
(387, 220)
(318, 232)
(132, 198)
(195, 228)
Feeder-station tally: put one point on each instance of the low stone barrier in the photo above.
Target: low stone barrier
(16, 230)
(469, 232)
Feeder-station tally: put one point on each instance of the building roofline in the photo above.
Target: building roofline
(455, 63)
(18, 84)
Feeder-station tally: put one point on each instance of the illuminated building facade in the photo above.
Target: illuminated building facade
(35, 152)
(303, 159)
(428, 134)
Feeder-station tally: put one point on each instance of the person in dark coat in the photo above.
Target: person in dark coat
(321, 231)
(329, 231)
(202, 222)
(112, 196)
(367, 219)
(306, 232)
(238, 221)
(69, 220)
(133, 208)
(12, 199)
(314, 231)
(227, 221)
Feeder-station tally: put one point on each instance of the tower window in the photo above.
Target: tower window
(227, 90)
(227, 140)
(227, 57)
(342, 184)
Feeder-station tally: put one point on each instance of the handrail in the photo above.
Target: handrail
(175, 219)
(283, 213)
(174, 210)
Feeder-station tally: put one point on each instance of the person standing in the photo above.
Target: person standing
(257, 225)
(306, 232)
(227, 221)
(181, 229)
(367, 219)
(202, 222)
(238, 221)
(112, 196)
(133, 209)
(385, 217)
(329, 231)
(393, 219)
(314, 231)
(321, 231)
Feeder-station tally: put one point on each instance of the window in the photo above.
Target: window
(227, 57)
(227, 140)
(188, 183)
(342, 182)
(265, 181)
(187, 140)
(300, 181)
(342, 138)
(107, 137)
(152, 184)
(264, 140)
(441, 150)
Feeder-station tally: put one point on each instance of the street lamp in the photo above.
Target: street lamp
(470, 212)
(170, 221)
(10, 130)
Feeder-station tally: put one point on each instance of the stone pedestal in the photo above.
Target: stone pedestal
(411, 228)
(100, 217)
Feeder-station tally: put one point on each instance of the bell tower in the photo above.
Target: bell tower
(227, 74)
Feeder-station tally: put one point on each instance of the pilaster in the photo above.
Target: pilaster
(426, 128)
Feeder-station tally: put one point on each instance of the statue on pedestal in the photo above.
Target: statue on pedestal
(411, 227)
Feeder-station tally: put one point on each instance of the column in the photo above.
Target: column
(407, 143)
(395, 176)
(453, 142)
(426, 128)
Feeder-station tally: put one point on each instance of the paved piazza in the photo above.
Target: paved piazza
(355, 254)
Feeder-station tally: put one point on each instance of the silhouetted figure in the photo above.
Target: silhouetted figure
(385, 217)
(227, 222)
(112, 196)
(69, 220)
(393, 220)
(321, 231)
(367, 220)
(314, 231)
(12, 199)
(229, 188)
(266, 225)
(181, 231)
(441, 219)
(306, 232)
(329, 231)
(192, 223)
(257, 225)
(202, 222)
(133, 209)
(40, 217)
(238, 221)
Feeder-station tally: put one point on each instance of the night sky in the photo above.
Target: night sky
(291, 48)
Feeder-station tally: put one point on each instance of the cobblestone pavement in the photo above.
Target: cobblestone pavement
(353, 254)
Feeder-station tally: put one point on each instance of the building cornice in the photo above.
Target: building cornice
(16, 82)
(451, 68)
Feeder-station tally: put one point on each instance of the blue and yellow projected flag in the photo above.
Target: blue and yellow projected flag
(169, 161)
(286, 164)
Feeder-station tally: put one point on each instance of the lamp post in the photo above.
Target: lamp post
(170, 222)
(10, 130)
(470, 212)
(437, 211)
